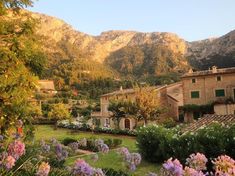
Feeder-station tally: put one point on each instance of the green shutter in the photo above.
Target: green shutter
(195, 94)
(219, 93)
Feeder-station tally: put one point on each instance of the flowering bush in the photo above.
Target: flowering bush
(132, 159)
(81, 168)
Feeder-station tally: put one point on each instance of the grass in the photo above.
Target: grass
(110, 160)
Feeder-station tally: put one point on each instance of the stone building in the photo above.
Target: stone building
(169, 96)
(213, 86)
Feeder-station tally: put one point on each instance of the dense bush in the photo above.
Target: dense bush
(157, 143)
(68, 140)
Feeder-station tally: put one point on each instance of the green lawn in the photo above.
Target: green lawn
(110, 160)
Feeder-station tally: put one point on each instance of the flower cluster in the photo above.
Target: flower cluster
(81, 168)
(61, 153)
(173, 167)
(197, 161)
(74, 145)
(16, 149)
(192, 172)
(45, 147)
(102, 147)
(131, 159)
(43, 169)
(224, 165)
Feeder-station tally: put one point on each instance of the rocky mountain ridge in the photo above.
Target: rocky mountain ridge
(201, 54)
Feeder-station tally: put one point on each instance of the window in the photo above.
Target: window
(218, 78)
(219, 93)
(193, 80)
(195, 94)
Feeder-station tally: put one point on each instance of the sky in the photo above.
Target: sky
(190, 19)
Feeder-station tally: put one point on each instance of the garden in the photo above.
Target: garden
(155, 151)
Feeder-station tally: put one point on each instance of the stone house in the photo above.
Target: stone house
(213, 86)
(169, 97)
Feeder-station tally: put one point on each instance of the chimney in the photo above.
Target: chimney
(214, 69)
(121, 88)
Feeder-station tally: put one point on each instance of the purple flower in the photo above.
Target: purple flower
(132, 167)
(74, 145)
(173, 167)
(99, 142)
(82, 168)
(103, 148)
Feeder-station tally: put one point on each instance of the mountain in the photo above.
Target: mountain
(75, 56)
(216, 51)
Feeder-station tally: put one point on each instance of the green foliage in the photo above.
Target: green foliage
(112, 172)
(153, 142)
(58, 112)
(157, 144)
(20, 60)
(146, 60)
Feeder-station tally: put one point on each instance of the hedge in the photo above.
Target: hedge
(157, 144)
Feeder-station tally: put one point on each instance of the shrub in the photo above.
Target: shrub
(152, 142)
(156, 143)
(68, 140)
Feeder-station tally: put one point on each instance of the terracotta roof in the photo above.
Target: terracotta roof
(209, 119)
(46, 85)
(210, 72)
(128, 91)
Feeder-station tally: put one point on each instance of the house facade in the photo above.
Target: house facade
(169, 97)
(214, 86)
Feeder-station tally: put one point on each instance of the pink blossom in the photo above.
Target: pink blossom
(16, 149)
(224, 165)
(197, 161)
(43, 169)
(9, 162)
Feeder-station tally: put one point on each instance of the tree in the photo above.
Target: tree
(58, 112)
(118, 111)
(19, 63)
(122, 109)
(147, 104)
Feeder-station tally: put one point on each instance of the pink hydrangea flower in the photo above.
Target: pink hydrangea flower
(16, 149)
(9, 162)
(43, 169)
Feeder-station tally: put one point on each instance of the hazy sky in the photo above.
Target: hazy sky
(190, 19)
